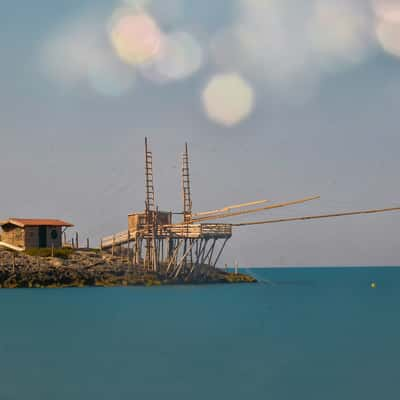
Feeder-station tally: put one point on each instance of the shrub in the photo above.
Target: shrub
(46, 252)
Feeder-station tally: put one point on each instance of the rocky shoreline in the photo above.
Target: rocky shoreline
(91, 268)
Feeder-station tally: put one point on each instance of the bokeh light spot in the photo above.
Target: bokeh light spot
(137, 4)
(110, 78)
(388, 10)
(340, 31)
(181, 56)
(388, 25)
(388, 34)
(135, 37)
(228, 99)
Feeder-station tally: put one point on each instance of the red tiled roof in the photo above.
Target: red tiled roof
(22, 222)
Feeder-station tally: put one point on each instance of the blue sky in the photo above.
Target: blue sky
(323, 120)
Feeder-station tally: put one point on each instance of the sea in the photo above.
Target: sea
(300, 333)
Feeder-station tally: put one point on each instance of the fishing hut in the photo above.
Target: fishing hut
(21, 234)
(180, 244)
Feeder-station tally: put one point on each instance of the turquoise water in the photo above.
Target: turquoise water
(305, 334)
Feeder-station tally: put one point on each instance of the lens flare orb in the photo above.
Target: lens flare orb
(228, 99)
(137, 4)
(180, 58)
(111, 78)
(340, 31)
(388, 34)
(388, 25)
(135, 37)
(388, 10)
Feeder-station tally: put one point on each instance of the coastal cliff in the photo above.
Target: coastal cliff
(92, 268)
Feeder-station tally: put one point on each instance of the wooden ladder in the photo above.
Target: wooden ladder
(150, 259)
(186, 193)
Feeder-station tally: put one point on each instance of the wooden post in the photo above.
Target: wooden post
(129, 246)
(87, 243)
(73, 243)
(220, 253)
(77, 240)
(136, 253)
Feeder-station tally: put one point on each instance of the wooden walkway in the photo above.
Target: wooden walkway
(11, 247)
(183, 231)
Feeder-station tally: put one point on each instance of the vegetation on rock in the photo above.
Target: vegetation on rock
(70, 268)
(47, 252)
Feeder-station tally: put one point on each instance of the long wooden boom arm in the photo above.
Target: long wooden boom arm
(312, 217)
(228, 208)
(255, 210)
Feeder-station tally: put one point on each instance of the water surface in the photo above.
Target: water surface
(300, 334)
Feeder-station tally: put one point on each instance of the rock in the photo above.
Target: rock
(89, 268)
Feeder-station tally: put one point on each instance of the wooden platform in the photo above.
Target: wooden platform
(201, 231)
(184, 231)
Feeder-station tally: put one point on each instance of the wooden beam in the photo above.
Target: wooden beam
(220, 253)
(229, 208)
(182, 260)
(255, 210)
(11, 247)
(174, 255)
(312, 217)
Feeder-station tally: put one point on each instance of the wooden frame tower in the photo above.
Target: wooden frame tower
(187, 248)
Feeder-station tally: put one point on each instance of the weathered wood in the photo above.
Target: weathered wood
(256, 210)
(312, 217)
(182, 261)
(11, 247)
(220, 253)
(191, 231)
(229, 208)
(186, 193)
(174, 255)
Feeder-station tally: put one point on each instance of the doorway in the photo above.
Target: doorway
(42, 236)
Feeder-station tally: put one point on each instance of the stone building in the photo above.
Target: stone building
(136, 221)
(23, 234)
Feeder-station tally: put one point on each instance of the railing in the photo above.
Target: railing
(191, 231)
(201, 230)
(216, 229)
(117, 239)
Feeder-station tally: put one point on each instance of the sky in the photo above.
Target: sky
(277, 99)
